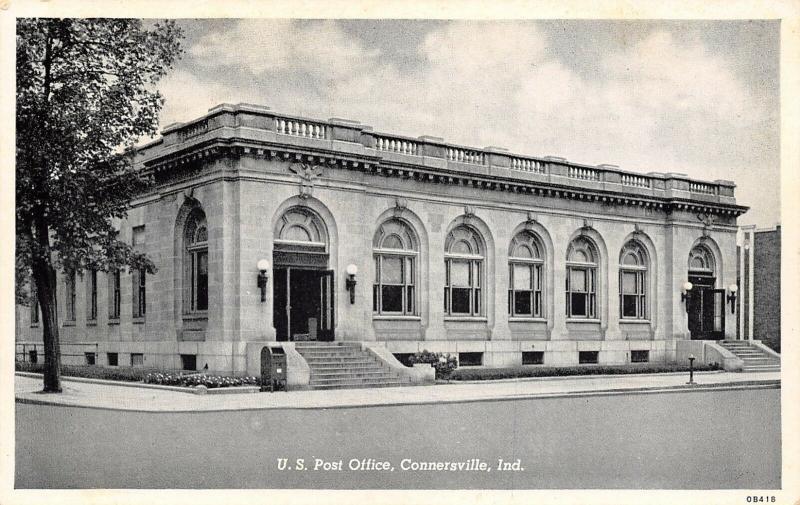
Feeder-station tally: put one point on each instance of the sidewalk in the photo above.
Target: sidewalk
(94, 395)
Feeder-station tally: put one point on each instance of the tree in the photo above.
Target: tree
(86, 93)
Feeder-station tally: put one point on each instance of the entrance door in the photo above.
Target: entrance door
(303, 304)
(705, 308)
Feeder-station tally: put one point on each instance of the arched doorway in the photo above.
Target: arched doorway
(705, 305)
(303, 304)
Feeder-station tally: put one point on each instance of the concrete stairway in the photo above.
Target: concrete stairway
(344, 365)
(755, 360)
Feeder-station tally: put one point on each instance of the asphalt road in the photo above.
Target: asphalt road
(685, 440)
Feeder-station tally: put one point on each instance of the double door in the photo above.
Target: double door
(706, 310)
(303, 304)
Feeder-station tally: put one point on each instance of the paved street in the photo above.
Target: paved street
(683, 439)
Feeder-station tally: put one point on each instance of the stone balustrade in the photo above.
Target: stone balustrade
(300, 128)
(396, 145)
(465, 155)
(352, 136)
(528, 165)
(583, 173)
(638, 181)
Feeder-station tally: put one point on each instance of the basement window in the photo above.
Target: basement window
(189, 361)
(640, 356)
(33, 356)
(137, 359)
(533, 357)
(588, 357)
(90, 358)
(470, 359)
(112, 358)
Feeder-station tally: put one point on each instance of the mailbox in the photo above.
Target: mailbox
(273, 368)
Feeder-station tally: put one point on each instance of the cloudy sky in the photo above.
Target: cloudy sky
(700, 98)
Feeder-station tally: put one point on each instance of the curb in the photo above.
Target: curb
(697, 388)
(577, 377)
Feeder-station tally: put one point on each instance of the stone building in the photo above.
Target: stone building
(760, 279)
(400, 244)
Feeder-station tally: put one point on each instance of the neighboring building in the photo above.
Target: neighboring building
(402, 243)
(760, 279)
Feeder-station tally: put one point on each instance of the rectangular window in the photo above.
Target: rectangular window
(33, 356)
(137, 359)
(470, 359)
(533, 357)
(462, 295)
(69, 294)
(189, 361)
(91, 306)
(632, 294)
(139, 292)
(525, 293)
(112, 358)
(90, 358)
(200, 279)
(640, 356)
(393, 291)
(581, 292)
(588, 357)
(113, 294)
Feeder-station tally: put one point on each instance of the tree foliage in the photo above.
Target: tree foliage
(86, 93)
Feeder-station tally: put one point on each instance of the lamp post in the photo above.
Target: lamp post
(691, 369)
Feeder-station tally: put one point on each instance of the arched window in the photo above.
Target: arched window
(196, 264)
(701, 261)
(300, 226)
(395, 250)
(464, 257)
(582, 279)
(633, 266)
(525, 263)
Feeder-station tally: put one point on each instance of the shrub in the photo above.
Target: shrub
(192, 380)
(539, 371)
(444, 364)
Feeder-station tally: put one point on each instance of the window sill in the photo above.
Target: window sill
(634, 321)
(522, 319)
(68, 323)
(398, 317)
(138, 320)
(473, 319)
(196, 316)
(582, 320)
(91, 322)
(113, 320)
(34, 325)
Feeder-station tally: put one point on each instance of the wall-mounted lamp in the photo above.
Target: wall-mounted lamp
(732, 289)
(263, 277)
(350, 282)
(686, 288)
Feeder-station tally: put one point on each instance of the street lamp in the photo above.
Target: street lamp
(350, 282)
(686, 288)
(691, 369)
(263, 277)
(732, 289)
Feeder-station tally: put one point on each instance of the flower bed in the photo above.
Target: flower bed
(192, 380)
(89, 372)
(470, 374)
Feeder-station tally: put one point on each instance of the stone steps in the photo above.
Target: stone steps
(755, 360)
(345, 365)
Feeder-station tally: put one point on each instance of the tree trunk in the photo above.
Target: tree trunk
(45, 278)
